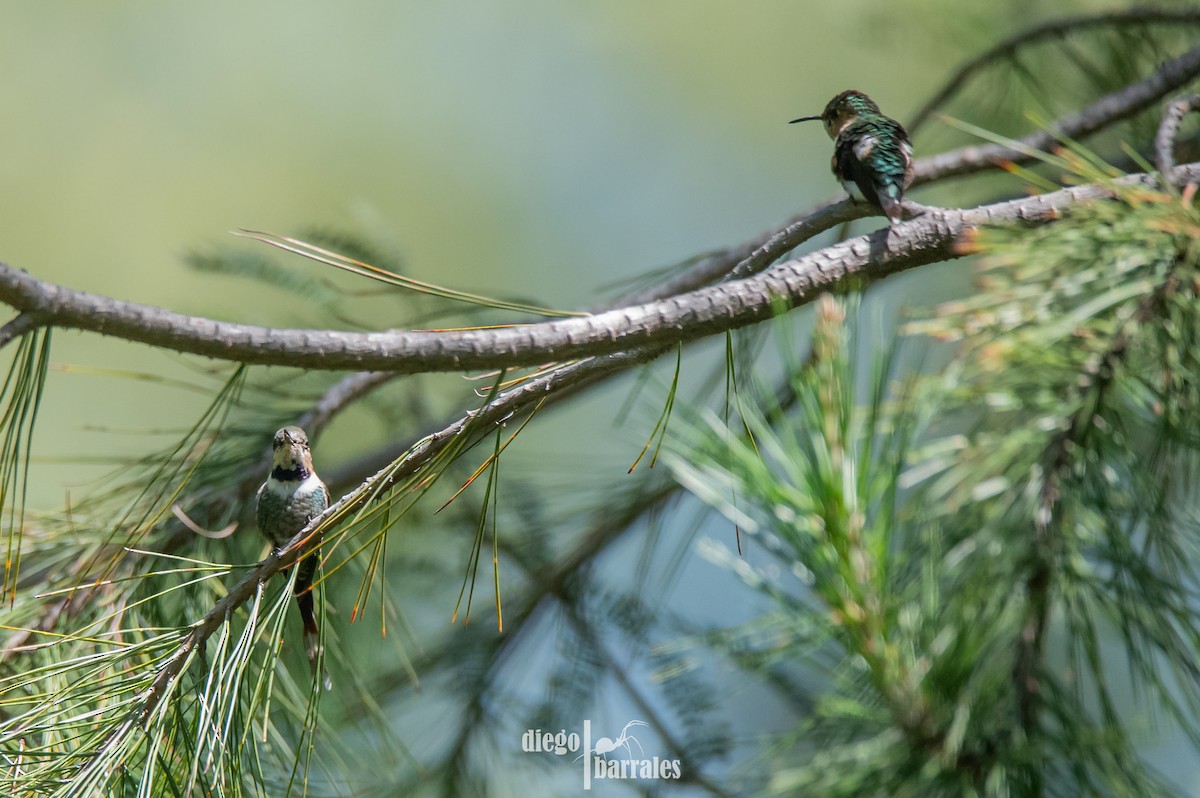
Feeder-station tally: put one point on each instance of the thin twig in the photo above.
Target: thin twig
(18, 326)
(1114, 107)
(338, 397)
(1053, 29)
(1168, 130)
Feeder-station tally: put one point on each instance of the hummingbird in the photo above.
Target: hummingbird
(292, 496)
(871, 152)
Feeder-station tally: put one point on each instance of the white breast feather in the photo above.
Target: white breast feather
(291, 487)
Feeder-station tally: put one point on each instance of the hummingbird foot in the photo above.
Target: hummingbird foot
(913, 210)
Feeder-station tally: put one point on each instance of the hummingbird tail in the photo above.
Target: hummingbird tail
(891, 201)
(307, 569)
(313, 648)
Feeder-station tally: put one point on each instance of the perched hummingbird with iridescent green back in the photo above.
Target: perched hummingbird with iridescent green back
(292, 496)
(871, 152)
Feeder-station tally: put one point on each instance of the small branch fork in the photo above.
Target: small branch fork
(18, 326)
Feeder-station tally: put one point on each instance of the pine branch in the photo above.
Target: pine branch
(1063, 451)
(17, 327)
(757, 254)
(1168, 130)
(411, 352)
(1058, 464)
(735, 262)
(1111, 108)
(727, 306)
(611, 340)
(501, 408)
(899, 251)
(1054, 29)
(607, 526)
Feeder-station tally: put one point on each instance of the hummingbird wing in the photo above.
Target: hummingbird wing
(876, 156)
(305, 573)
(258, 509)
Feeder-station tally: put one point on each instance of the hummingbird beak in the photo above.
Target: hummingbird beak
(805, 119)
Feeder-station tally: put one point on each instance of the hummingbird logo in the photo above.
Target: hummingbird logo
(872, 154)
(292, 496)
(606, 745)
